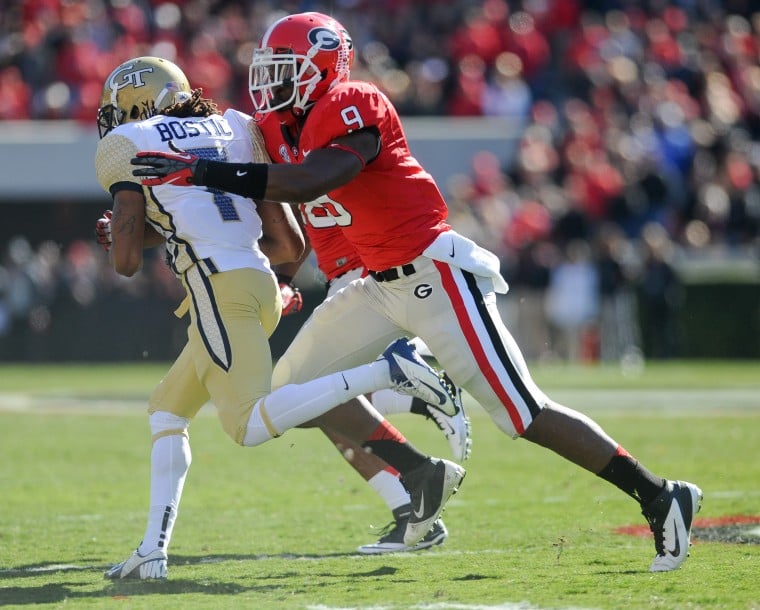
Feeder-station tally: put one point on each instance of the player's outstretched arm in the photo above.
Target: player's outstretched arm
(323, 170)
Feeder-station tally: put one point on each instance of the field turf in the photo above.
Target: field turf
(275, 527)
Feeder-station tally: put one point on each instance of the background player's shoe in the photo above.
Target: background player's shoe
(430, 485)
(670, 516)
(456, 428)
(150, 567)
(411, 375)
(392, 535)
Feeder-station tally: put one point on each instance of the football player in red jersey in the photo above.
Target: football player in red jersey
(424, 278)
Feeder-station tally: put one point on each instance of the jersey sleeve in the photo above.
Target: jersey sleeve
(260, 154)
(241, 121)
(344, 109)
(112, 163)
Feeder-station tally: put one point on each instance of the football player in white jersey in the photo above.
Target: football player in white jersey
(221, 247)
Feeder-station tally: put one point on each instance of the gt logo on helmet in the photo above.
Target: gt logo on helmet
(133, 78)
(324, 38)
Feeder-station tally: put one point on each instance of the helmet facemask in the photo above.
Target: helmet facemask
(301, 57)
(109, 117)
(282, 80)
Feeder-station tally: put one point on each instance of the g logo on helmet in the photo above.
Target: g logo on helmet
(324, 39)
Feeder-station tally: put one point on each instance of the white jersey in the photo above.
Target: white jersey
(201, 225)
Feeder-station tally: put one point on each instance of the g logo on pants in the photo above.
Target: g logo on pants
(423, 291)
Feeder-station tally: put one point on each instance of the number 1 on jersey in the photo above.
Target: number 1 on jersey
(222, 200)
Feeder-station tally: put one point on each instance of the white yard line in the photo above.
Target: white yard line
(447, 606)
(63, 404)
(666, 402)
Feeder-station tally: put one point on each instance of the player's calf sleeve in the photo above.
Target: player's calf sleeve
(294, 404)
(169, 462)
(626, 473)
(387, 443)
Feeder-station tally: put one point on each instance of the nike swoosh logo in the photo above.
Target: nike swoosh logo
(240, 173)
(441, 396)
(345, 383)
(676, 552)
(451, 254)
(305, 152)
(420, 512)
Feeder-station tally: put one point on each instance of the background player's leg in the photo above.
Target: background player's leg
(321, 347)
(385, 481)
(456, 428)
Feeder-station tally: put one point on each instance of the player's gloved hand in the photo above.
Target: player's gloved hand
(103, 230)
(292, 299)
(179, 168)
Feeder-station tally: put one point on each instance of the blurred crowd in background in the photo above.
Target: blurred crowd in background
(639, 145)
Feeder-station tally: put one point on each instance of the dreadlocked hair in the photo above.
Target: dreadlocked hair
(195, 105)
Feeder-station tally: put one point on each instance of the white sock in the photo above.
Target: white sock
(388, 486)
(389, 401)
(169, 462)
(294, 404)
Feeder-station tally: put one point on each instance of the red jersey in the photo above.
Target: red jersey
(335, 254)
(392, 210)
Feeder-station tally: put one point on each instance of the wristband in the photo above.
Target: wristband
(200, 172)
(246, 179)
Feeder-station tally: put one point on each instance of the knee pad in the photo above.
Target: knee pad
(163, 423)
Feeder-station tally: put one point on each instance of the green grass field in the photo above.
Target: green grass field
(275, 527)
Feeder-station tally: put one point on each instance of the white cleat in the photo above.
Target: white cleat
(411, 375)
(670, 516)
(456, 428)
(150, 567)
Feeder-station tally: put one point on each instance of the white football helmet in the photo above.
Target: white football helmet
(138, 89)
(299, 59)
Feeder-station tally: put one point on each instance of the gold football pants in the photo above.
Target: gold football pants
(227, 358)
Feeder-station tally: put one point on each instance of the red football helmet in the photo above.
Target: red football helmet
(300, 58)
